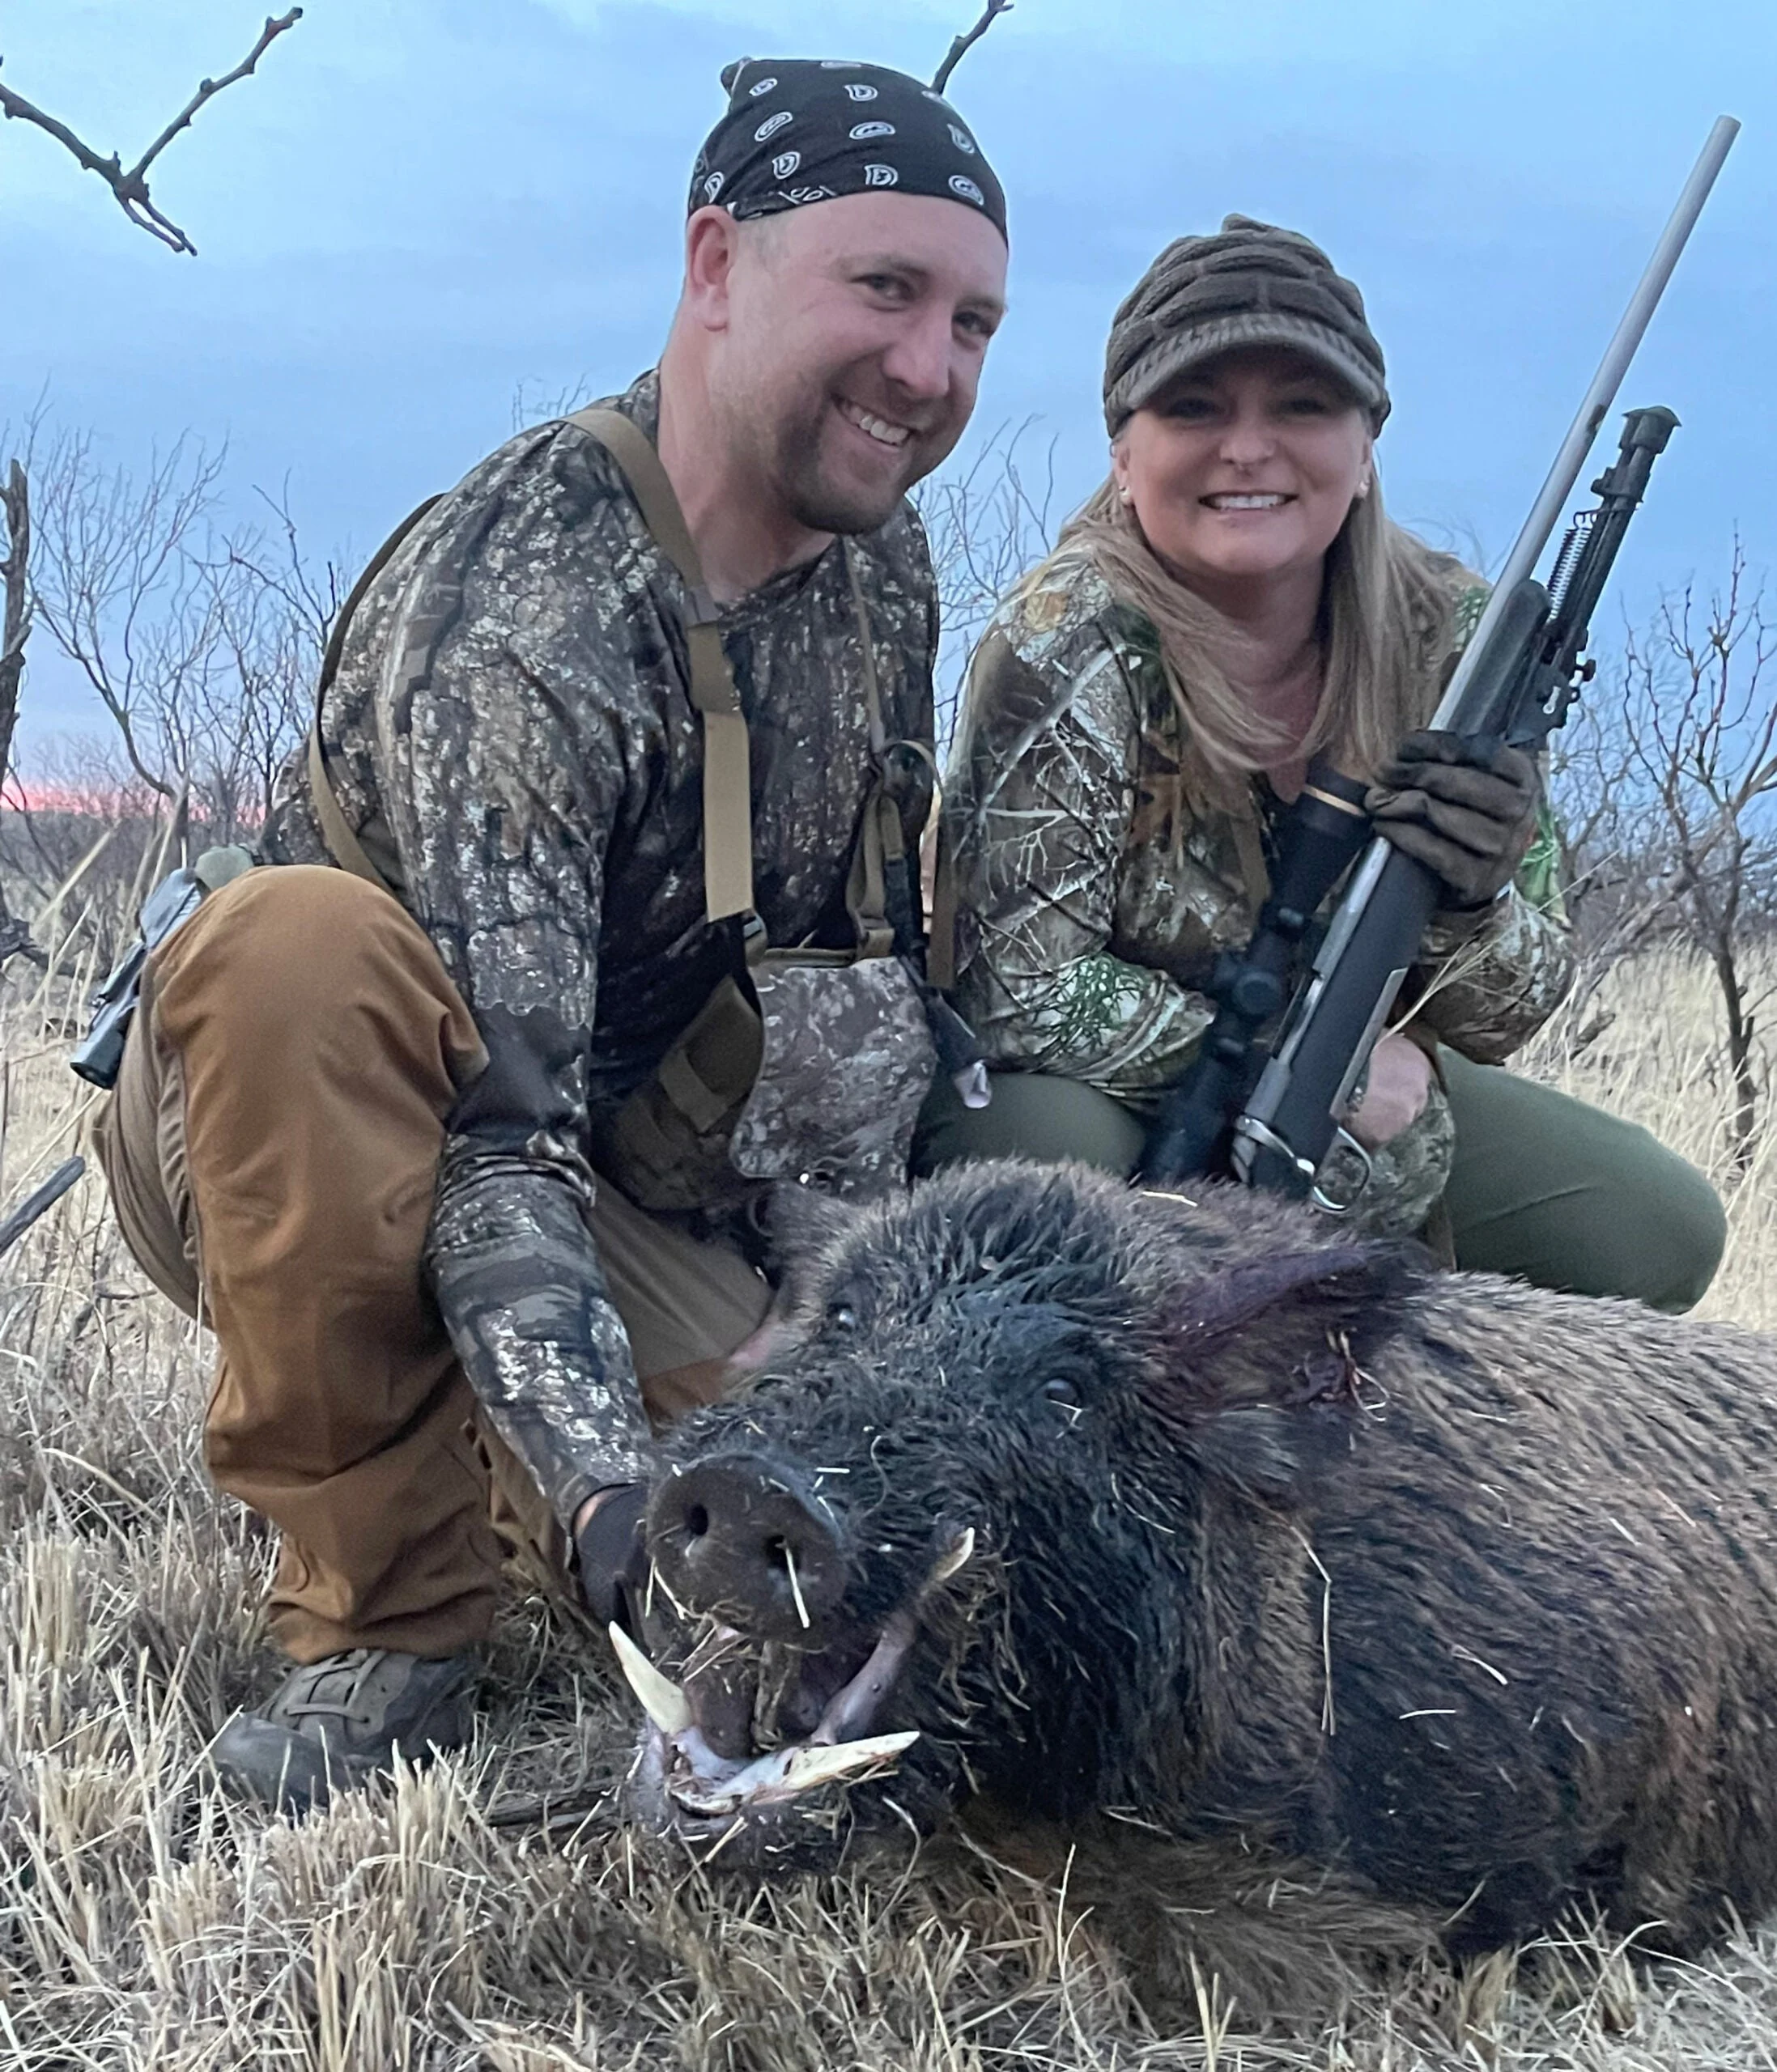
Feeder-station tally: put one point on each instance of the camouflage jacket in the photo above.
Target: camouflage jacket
(510, 733)
(1092, 904)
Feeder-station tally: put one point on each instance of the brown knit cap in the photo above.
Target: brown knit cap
(1251, 284)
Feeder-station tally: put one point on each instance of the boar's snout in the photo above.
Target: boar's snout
(736, 1535)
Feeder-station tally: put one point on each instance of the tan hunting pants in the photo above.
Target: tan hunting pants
(272, 1148)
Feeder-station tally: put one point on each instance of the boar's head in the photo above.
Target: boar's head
(954, 1539)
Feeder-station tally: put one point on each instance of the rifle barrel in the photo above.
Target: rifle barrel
(1551, 502)
(40, 1200)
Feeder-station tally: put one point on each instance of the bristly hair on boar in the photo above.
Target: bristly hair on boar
(1094, 1502)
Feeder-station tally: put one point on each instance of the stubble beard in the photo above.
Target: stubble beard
(794, 464)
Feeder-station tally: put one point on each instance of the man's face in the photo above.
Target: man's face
(852, 334)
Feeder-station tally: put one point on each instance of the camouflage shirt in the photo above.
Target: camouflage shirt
(511, 733)
(1093, 904)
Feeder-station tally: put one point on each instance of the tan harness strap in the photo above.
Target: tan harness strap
(728, 785)
(941, 930)
(342, 845)
(336, 831)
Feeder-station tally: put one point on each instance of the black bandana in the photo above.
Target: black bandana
(802, 130)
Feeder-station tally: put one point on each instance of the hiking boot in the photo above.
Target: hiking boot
(339, 1721)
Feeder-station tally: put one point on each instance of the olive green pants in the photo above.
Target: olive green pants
(1543, 1187)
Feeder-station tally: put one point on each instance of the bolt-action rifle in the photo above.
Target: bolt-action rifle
(1267, 1114)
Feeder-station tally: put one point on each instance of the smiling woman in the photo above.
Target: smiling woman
(1232, 616)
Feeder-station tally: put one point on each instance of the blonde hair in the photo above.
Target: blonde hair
(1387, 608)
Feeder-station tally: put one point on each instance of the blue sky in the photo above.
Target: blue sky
(419, 207)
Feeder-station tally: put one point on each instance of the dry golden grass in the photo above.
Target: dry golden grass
(145, 1922)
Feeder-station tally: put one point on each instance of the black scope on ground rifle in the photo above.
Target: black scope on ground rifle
(98, 1057)
(1317, 841)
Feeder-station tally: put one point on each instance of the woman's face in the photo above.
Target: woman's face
(1245, 467)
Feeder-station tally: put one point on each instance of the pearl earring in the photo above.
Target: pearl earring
(1125, 496)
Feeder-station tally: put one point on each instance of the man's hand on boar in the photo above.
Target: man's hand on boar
(610, 1555)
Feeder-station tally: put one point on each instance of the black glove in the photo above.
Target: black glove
(1468, 817)
(612, 1556)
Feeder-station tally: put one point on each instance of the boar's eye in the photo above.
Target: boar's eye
(1060, 1389)
(842, 1317)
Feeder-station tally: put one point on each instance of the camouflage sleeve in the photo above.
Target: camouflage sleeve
(516, 1277)
(500, 702)
(1490, 980)
(1043, 782)
(1409, 1172)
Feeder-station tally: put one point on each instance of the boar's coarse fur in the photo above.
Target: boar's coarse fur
(1464, 1592)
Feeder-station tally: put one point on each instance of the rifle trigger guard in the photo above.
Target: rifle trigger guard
(1332, 1204)
(1250, 1131)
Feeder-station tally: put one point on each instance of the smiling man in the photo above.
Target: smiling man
(625, 752)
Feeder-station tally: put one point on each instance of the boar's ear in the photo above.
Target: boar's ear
(1260, 1375)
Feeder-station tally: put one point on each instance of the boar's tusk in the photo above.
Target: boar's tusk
(809, 1767)
(661, 1698)
(784, 1773)
(854, 1704)
(958, 1555)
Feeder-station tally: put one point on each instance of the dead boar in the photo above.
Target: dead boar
(1094, 1500)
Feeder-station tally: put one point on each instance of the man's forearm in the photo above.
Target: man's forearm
(519, 1286)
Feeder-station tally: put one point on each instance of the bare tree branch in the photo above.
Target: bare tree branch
(986, 525)
(1667, 796)
(14, 631)
(131, 187)
(940, 78)
(15, 617)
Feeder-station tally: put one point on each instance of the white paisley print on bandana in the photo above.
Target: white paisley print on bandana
(912, 139)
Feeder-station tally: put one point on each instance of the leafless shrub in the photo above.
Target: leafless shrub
(201, 645)
(1669, 795)
(542, 402)
(119, 588)
(988, 523)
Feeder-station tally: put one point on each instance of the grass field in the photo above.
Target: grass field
(145, 1922)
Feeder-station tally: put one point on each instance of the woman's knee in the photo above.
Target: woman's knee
(1670, 1231)
(1560, 1193)
(1031, 1115)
